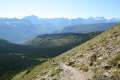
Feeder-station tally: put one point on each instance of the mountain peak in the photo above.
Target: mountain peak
(31, 16)
(33, 19)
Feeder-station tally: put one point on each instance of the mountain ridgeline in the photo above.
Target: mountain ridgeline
(85, 28)
(31, 26)
(22, 57)
(51, 45)
(96, 59)
(35, 48)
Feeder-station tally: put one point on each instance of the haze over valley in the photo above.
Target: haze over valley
(31, 26)
(59, 40)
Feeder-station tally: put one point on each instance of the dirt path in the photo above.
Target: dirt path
(70, 73)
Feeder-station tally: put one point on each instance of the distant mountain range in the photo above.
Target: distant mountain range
(96, 59)
(85, 28)
(21, 30)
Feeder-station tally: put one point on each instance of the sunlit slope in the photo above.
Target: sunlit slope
(15, 58)
(99, 56)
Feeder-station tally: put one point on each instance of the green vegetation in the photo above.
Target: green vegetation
(22, 59)
(54, 44)
(102, 51)
(115, 61)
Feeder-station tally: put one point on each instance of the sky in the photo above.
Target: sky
(60, 8)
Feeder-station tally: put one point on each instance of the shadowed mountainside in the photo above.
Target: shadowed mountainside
(16, 58)
(99, 56)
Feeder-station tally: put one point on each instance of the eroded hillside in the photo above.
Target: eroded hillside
(97, 59)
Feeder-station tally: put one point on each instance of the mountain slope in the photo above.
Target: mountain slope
(99, 56)
(50, 45)
(12, 60)
(85, 28)
(21, 30)
(50, 40)
(6, 46)
(17, 30)
(15, 58)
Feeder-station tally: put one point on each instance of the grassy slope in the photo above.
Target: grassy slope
(99, 55)
(11, 62)
(16, 58)
(54, 44)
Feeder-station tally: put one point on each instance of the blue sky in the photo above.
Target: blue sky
(60, 8)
